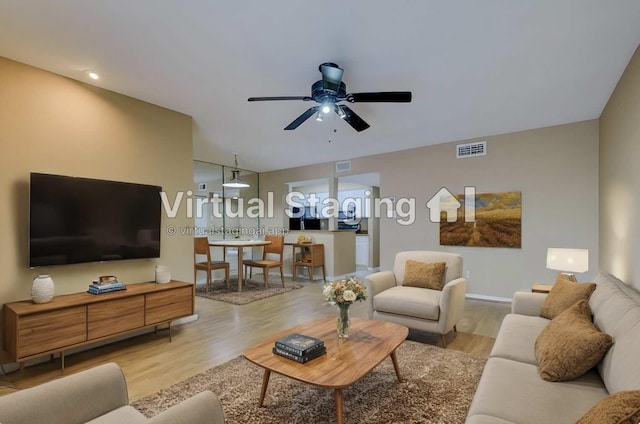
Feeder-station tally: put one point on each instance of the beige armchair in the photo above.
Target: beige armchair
(429, 310)
(99, 395)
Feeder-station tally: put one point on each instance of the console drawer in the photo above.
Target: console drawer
(168, 304)
(115, 316)
(47, 331)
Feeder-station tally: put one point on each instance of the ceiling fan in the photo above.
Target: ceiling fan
(330, 91)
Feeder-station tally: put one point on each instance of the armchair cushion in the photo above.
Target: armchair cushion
(126, 414)
(409, 301)
(424, 275)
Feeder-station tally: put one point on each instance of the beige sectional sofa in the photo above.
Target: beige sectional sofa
(98, 396)
(510, 389)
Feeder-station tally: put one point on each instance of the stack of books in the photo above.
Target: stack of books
(106, 284)
(299, 347)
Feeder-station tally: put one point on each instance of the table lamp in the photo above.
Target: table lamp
(568, 261)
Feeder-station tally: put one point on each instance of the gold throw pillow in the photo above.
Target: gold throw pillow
(424, 275)
(570, 345)
(563, 294)
(618, 408)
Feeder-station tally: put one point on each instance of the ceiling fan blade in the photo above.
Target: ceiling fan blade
(261, 99)
(382, 96)
(331, 76)
(353, 119)
(300, 119)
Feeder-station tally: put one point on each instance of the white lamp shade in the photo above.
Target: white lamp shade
(570, 260)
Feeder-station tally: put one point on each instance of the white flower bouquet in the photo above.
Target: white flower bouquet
(344, 292)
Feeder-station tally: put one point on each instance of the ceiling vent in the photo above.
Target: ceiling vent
(469, 150)
(343, 166)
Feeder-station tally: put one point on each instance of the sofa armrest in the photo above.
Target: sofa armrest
(376, 283)
(203, 408)
(526, 303)
(452, 304)
(65, 399)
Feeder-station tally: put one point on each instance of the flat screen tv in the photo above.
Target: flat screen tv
(76, 220)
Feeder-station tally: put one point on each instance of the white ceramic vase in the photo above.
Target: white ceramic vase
(42, 289)
(162, 274)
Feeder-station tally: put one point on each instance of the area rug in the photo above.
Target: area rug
(252, 290)
(437, 387)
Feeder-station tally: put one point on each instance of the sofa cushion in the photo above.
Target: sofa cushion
(563, 294)
(618, 408)
(424, 275)
(517, 337)
(126, 414)
(409, 301)
(514, 392)
(570, 345)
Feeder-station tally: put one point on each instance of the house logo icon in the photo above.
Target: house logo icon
(445, 201)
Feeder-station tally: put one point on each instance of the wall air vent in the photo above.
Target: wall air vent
(469, 150)
(343, 166)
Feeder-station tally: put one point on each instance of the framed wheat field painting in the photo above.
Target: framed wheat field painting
(495, 220)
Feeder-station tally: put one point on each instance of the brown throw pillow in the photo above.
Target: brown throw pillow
(424, 275)
(618, 408)
(570, 345)
(563, 294)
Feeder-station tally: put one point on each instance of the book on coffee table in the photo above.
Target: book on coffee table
(302, 359)
(299, 344)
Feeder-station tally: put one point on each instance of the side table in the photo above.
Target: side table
(541, 288)
(311, 256)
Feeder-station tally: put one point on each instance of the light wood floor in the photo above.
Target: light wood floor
(223, 331)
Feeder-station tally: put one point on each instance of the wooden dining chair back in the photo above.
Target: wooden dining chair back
(201, 247)
(271, 258)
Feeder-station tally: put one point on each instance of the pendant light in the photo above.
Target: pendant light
(236, 181)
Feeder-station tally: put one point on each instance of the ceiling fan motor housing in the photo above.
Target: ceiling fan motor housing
(320, 92)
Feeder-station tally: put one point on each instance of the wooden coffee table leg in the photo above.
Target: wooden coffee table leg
(339, 406)
(265, 383)
(394, 359)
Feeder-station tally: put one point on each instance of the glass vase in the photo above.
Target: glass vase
(343, 321)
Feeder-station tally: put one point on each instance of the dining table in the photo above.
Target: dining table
(240, 245)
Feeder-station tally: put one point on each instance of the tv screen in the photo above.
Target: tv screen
(75, 220)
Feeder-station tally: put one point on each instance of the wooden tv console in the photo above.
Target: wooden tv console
(70, 321)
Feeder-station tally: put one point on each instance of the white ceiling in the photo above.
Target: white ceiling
(475, 68)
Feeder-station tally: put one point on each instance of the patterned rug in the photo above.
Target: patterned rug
(437, 387)
(252, 290)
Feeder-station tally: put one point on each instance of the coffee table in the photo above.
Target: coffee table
(346, 360)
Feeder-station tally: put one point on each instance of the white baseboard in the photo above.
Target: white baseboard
(488, 298)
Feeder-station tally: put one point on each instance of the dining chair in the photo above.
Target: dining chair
(267, 262)
(201, 247)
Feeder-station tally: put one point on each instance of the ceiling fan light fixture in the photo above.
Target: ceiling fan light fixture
(326, 108)
(236, 181)
(320, 116)
(340, 112)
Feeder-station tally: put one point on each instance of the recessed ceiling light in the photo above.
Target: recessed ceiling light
(93, 75)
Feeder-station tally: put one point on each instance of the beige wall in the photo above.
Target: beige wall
(620, 178)
(555, 168)
(56, 125)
